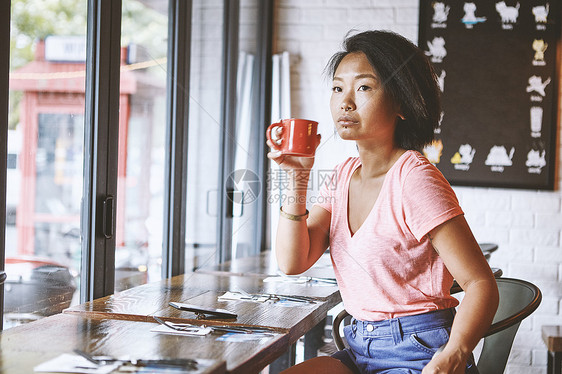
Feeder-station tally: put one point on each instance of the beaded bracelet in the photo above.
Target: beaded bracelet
(293, 217)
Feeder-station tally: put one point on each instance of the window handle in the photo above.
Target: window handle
(108, 217)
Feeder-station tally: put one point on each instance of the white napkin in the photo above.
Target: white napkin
(72, 363)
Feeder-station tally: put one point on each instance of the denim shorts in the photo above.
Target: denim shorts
(401, 345)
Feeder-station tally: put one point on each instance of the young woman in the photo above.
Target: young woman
(396, 233)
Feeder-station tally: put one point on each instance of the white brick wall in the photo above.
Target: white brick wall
(526, 224)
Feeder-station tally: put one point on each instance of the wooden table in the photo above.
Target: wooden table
(552, 337)
(264, 265)
(23, 347)
(143, 302)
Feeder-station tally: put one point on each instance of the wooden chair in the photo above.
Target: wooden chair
(518, 299)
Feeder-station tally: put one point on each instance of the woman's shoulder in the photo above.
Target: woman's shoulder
(416, 171)
(414, 160)
(415, 168)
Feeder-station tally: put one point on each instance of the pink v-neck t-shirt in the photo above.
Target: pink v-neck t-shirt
(388, 267)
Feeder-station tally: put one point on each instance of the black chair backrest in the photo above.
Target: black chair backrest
(518, 299)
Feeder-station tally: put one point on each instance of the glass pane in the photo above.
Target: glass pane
(204, 133)
(245, 176)
(45, 161)
(142, 129)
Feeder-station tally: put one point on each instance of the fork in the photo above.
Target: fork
(191, 327)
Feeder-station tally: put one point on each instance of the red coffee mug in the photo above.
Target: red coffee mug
(293, 136)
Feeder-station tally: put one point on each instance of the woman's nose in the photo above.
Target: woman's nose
(347, 104)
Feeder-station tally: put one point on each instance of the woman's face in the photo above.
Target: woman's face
(360, 108)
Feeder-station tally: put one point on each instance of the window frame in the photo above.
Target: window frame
(231, 21)
(5, 13)
(266, 13)
(262, 101)
(177, 130)
(101, 135)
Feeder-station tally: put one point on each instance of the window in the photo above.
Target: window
(245, 178)
(226, 132)
(142, 129)
(204, 146)
(45, 146)
(96, 168)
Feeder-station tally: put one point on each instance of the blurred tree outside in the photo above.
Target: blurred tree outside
(33, 20)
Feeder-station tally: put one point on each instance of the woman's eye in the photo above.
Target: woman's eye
(364, 88)
(336, 89)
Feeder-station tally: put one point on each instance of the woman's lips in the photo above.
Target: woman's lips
(347, 121)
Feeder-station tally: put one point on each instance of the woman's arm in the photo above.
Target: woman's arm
(300, 241)
(460, 252)
(300, 244)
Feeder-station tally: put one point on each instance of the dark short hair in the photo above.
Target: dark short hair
(408, 78)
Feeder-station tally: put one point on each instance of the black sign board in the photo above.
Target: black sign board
(497, 63)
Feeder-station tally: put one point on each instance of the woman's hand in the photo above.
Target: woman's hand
(290, 163)
(446, 362)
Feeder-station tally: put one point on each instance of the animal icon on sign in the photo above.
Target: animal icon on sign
(437, 49)
(541, 13)
(467, 153)
(508, 14)
(536, 159)
(539, 46)
(440, 12)
(463, 158)
(470, 18)
(498, 156)
(536, 84)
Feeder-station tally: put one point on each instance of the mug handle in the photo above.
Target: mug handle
(275, 142)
